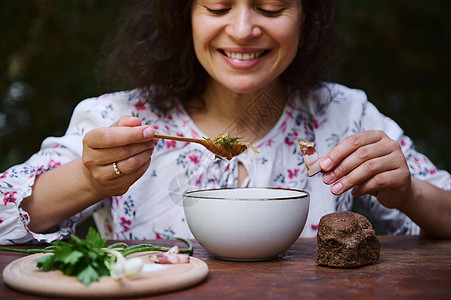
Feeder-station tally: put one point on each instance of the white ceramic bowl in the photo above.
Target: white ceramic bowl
(246, 224)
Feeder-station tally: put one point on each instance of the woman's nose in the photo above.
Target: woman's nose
(243, 25)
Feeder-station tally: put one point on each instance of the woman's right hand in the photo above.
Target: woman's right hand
(127, 143)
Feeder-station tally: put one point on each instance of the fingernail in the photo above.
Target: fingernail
(328, 177)
(325, 163)
(147, 133)
(336, 188)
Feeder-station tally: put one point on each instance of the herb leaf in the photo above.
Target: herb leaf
(73, 257)
(94, 239)
(88, 275)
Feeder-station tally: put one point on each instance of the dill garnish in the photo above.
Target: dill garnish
(224, 140)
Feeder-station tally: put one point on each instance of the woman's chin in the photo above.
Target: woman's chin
(245, 87)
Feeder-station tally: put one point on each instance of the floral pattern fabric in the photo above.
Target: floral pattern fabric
(327, 116)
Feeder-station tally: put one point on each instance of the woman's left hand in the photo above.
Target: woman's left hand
(369, 162)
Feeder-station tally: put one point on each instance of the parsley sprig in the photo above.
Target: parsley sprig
(88, 259)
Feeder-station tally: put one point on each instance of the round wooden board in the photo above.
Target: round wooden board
(23, 275)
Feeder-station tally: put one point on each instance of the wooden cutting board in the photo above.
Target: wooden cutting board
(23, 275)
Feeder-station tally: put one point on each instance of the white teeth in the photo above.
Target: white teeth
(243, 56)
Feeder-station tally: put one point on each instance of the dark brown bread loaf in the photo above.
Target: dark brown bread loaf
(346, 240)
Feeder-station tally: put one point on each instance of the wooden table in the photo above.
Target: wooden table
(410, 267)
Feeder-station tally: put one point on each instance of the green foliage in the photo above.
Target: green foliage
(398, 52)
(85, 259)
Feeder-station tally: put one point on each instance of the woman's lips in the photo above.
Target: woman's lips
(243, 55)
(242, 59)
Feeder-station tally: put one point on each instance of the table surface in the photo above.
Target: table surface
(410, 267)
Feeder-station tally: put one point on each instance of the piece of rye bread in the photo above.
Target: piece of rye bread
(346, 240)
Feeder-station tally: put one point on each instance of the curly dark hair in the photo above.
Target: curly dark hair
(153, 51)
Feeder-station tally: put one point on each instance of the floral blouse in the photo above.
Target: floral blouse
(327, 116)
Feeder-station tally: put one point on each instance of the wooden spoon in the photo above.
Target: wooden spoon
(216, 148)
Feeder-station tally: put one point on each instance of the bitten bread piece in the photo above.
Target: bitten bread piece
(346, 240)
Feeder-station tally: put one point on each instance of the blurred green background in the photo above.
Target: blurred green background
(398, 53)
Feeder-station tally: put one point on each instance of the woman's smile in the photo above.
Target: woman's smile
(241, 45)
(243, 55)
(242, 59)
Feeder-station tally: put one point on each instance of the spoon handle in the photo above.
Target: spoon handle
(176, 138)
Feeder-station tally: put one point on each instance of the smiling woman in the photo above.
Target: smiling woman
(246, 46)
(255, 69)
(171, 66)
